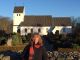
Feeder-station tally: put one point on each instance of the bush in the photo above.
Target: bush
(76, 46)
(26, 38)
(3, 40)
(16, 39)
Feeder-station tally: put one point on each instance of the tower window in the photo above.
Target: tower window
(17, 14)
(18, 30)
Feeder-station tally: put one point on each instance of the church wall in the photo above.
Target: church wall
(18, 18)
(15, 29)
(43, 30)
(60, 29)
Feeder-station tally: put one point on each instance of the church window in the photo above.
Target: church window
(17, 14)
(25, 30)
(31, 30)
(39, 30)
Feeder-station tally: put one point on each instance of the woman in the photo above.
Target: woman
(35, 50)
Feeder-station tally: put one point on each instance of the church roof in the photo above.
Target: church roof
(37, 21)
(18, 9)
(62, 21)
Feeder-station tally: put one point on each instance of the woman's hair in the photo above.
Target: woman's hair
(40, 39)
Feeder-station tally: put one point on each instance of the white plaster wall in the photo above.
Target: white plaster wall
(18, 19)
(60, 28)
(15, 29)
(35, 30)
(44, 30)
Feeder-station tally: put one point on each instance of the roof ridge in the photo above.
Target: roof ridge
(38, 15)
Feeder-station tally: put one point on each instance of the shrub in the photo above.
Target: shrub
(16, 39)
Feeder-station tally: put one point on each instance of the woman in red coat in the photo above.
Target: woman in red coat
(35, 50)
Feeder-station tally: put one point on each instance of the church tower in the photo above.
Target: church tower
(18, 17)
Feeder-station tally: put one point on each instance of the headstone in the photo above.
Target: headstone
(9, 42)
(1, 56)
(6, 58)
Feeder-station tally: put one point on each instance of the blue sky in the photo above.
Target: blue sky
(42, 7)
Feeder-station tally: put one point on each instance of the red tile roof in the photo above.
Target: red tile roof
(37, 21)
(62, 21)
(18, 9)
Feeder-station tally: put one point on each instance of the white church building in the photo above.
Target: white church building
(39, 24)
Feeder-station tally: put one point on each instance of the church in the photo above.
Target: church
(41, 24)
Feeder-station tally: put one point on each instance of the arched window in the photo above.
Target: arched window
(25, 30)
(18, 30)
(31, 30)
(39, 30)
(17, 14)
